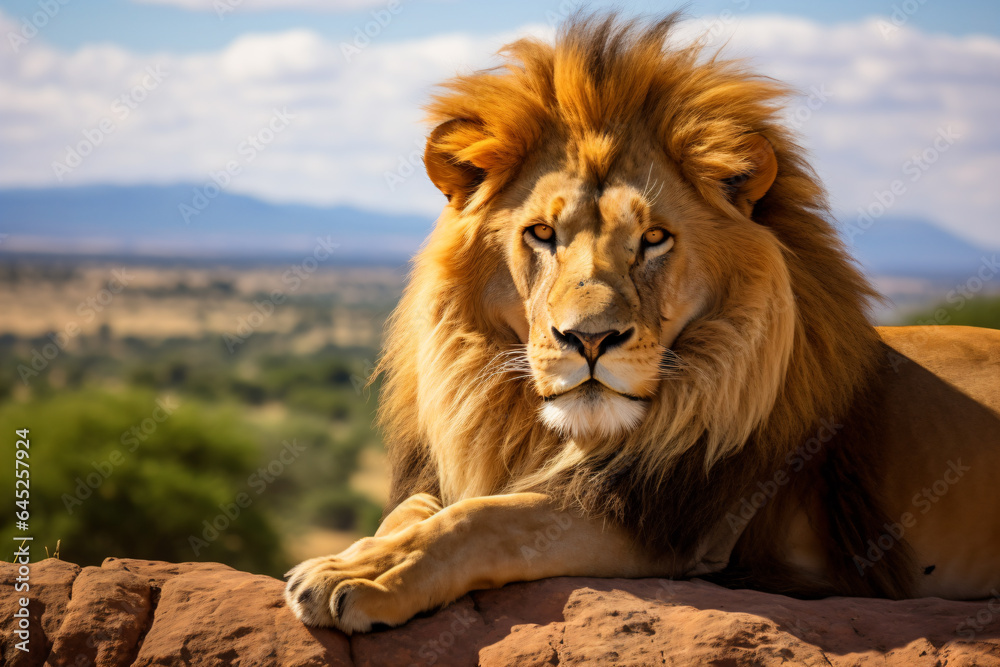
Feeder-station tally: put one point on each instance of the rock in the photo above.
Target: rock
(219, 616)
(108, 613)
(135, 612)
(51, 585)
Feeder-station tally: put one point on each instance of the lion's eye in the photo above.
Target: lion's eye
(655, 236)
(544, 233)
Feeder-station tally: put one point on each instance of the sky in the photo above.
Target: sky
(319, 102)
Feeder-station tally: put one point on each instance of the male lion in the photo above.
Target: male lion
(634, 346)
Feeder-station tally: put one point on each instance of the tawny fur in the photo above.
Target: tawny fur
(747, 424)
(786, 344)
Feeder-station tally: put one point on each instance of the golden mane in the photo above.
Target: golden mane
(458, 423)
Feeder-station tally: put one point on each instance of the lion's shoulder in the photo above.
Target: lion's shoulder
(967, 358)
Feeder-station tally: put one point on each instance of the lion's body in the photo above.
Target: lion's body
(942, 407)
(924, 441)
(634, 333)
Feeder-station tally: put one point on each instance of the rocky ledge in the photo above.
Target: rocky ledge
(134, 612)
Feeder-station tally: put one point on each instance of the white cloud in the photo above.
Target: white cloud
(890, 100)
(357, 115)
(266, 5)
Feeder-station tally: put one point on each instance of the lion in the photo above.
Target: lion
(634, 346)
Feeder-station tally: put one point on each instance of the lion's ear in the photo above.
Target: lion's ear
(747, 187)
(456, 178)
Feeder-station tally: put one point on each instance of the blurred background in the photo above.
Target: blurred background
(207, 206)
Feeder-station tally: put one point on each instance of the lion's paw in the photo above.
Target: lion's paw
(341, 591)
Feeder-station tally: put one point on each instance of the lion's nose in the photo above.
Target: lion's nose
(592, 345)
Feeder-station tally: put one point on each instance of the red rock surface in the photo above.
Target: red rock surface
(132, 612)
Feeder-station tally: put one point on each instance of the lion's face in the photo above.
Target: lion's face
(612, 252)
(611, 255)
(633, 264)
(609, 276)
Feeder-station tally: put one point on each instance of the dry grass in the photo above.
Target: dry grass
(159, 302)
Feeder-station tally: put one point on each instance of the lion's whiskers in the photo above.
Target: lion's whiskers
(657, 195)
(645, 189)
(512, 362)
(671, 365)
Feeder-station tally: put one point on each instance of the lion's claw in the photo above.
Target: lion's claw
(342, 592)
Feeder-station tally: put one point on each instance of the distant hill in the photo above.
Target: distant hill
(913, 247)
(147, 220)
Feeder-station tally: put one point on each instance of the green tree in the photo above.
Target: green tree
(130, 475)
(981, 311)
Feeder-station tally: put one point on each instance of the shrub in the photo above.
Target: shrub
(113, 474)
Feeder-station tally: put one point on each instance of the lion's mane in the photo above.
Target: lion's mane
(459, 423)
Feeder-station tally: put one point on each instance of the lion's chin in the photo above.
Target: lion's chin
(592, 412)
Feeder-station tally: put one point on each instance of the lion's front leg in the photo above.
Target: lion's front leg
(476, 543)
(415, 508)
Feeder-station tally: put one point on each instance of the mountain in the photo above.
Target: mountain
(164, 221)
(149, 220)
(912, 247)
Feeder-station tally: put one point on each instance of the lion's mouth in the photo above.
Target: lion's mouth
(593, 389)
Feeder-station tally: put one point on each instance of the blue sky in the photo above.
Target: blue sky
(170, 92)
(144, 27)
